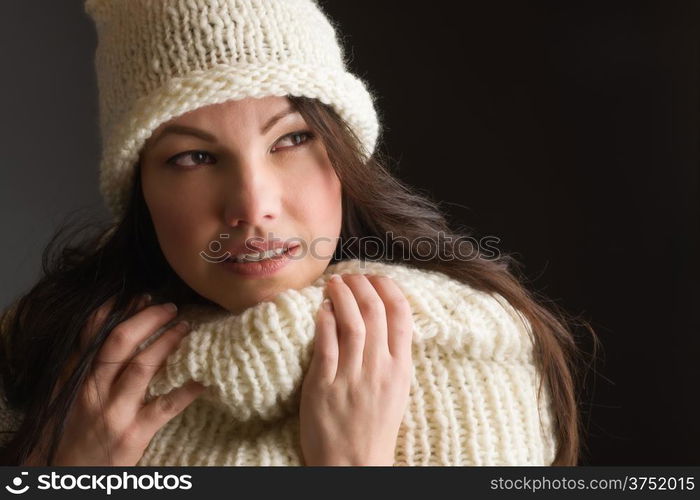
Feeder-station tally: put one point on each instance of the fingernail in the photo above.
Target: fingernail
(336, 278)
(148, 298)
(171, 307)
(183, 326)
(327, 305)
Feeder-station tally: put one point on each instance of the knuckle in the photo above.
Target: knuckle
(403, 331)
(355, 331)
(381, 281)
(385, 384)
(400, 315)
(398, 302)
(120, 336)
(355, 392)
(351, 328)
(371, 307)
(112, 420)
(129, 440)
(326, 356)
(353, 279)
(139, 370)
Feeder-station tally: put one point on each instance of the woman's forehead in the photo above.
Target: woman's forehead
(206, 120)
(247, 109)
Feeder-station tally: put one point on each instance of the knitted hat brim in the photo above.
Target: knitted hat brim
(344, 92)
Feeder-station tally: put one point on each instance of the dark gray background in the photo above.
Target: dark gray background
(48, 131)
(567, 129)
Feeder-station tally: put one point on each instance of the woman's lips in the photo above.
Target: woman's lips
(266, 267)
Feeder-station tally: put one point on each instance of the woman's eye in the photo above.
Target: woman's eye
(196, 156)
(294, 139)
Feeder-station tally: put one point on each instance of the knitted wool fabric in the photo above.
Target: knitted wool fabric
(158, 59)
(473, 397)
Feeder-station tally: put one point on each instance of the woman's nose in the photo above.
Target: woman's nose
(252, 196)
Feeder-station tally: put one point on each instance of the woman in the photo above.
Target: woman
(231, 135)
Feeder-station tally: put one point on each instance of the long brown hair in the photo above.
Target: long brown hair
(124, 260)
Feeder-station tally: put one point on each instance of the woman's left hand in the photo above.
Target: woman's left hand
(355, 393)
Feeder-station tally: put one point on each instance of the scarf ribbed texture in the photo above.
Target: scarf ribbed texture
(473, 397)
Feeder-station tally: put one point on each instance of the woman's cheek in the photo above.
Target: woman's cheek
(326, 217)
(177, 226)
(315, 198)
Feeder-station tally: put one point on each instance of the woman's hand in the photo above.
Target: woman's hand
(356, 390)
(109, 423)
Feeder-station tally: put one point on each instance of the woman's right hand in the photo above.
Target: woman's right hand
(109, 423)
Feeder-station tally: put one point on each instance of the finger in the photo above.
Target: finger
(350, 328)
(159, 411)
(142, 301)
(131, 383)
(125, 338)
(399, 317)
(324, 357)
(371, 306)
(97, 318)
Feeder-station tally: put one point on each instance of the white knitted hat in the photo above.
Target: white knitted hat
(158, 59)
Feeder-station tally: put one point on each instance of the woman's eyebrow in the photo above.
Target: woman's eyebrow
(275, 118)
(185, 130)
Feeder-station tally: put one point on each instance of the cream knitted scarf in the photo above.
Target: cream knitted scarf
(473, 398)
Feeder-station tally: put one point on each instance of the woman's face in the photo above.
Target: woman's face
(233, 169)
